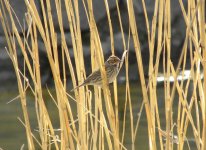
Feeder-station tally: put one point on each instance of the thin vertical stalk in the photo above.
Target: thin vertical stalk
(202, 42)
(141, 72)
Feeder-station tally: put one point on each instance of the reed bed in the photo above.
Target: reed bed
(94, 128)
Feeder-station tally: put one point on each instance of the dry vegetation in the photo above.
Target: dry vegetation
(95, 128)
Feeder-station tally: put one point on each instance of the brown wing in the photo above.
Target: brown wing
(93, 78)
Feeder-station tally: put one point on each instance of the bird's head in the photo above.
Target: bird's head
(113, 61)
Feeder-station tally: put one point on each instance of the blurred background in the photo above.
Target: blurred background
(8, 78)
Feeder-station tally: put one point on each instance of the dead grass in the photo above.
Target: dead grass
(94, 128)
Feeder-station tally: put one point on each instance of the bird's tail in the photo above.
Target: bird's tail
(77, 87)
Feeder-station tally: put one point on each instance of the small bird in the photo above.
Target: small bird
(112, 67)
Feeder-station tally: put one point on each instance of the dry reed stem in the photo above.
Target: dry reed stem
(141, 72)
(20, 85)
